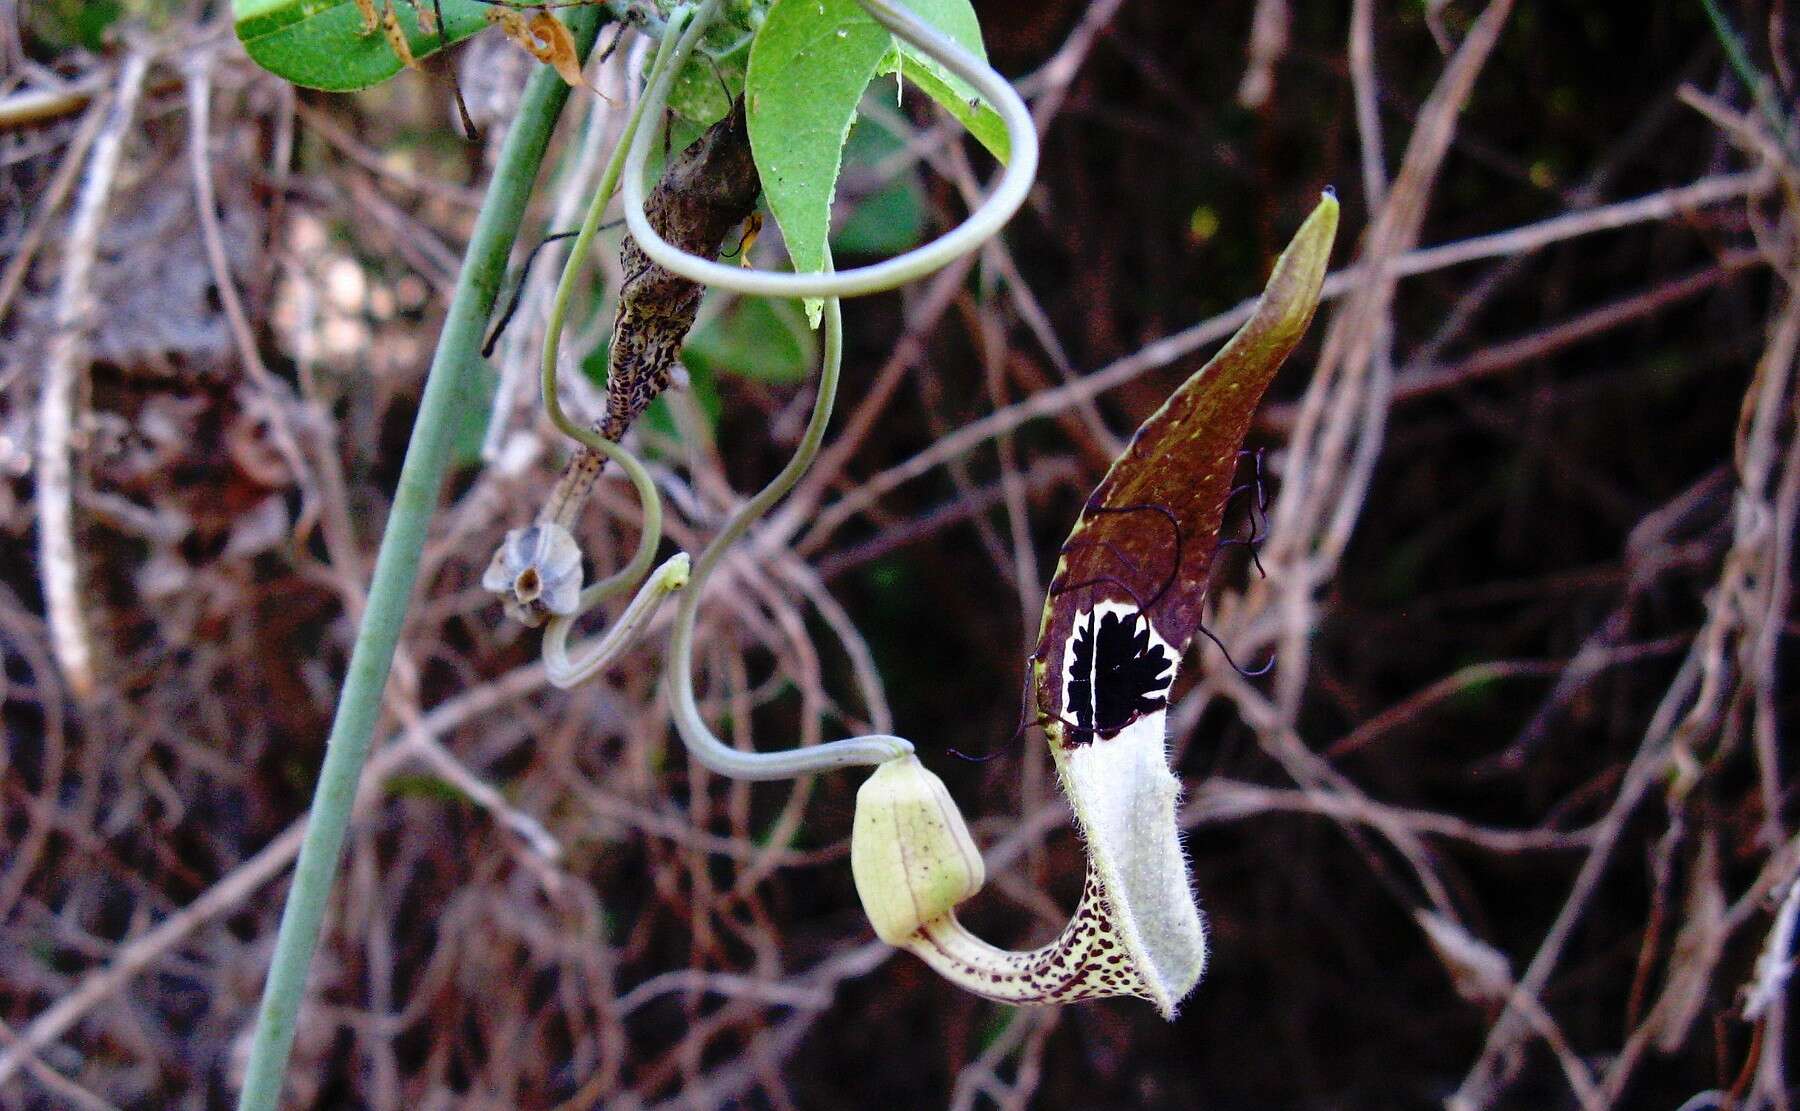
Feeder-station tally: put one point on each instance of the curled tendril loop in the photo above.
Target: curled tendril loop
(681, 36)
(983, 224)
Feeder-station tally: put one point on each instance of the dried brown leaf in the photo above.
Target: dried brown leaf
(544, 37)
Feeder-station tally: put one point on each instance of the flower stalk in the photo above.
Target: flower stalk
(451, 390)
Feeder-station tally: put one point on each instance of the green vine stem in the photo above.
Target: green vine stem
(451, 390)
(706, 747)
(982, 224)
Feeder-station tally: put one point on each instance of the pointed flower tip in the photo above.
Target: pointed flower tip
(1326, 210)
(1311, 245)
(1299, 275)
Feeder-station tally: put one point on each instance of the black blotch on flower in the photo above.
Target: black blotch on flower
(1117, 674)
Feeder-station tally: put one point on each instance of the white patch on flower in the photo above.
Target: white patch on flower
(1117, 672)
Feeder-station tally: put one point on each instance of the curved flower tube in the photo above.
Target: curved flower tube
(982, 224)
(1122, 609)
(914, 860)
(706, 747)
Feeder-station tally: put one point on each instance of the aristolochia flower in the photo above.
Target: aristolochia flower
(1123, 606)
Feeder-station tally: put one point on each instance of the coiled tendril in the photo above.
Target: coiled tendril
(681, 35)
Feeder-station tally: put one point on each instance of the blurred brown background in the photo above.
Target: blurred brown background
(1507, 826)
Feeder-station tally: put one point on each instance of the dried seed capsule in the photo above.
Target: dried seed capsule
(709, 189)
(537, 573)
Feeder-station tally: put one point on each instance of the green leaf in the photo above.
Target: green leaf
(757, 338)
(714, 76)
(955, 18)
(320, 43)
(973, 113)
(809, 65)
(808, 68)
(888, 222)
